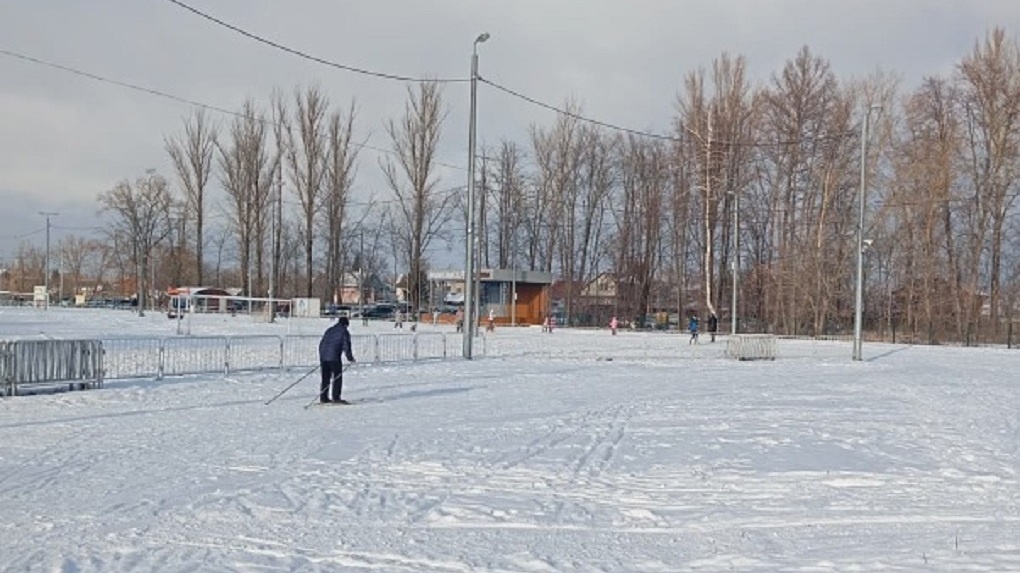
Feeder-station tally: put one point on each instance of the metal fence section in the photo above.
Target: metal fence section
(172, 356)
(29, 363)
(303, 350)
(751, 347)
(6, 366)
(430, 345)
(195, 355)
(133, 357)
(394, 347)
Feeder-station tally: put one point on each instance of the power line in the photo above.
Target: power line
(307, 56)
(508, 91)
(578, 116)
(22, 235)
(179, 99)
(651, 135)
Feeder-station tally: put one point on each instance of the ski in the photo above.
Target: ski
(340, 403)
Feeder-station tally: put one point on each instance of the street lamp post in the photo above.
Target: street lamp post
(469, 248)
(46, 268)
(736, 263)
(859, 290)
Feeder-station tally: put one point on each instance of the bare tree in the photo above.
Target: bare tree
(246, 173)
(306, 158)
(341, 155)
(508, 201)
(141, 217)
(638, 225)
(420, 210)
(75, 252)
(192, 156)
(990, 106)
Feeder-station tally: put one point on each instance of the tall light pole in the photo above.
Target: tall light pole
(469, 248)
(736, 262)
(46, 268)
(859, 290)
(361, 275)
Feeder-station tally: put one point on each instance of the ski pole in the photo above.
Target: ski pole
(307, 374)
(331, 380)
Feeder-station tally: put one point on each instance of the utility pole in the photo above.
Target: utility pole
(361, 275)
(859, 295)
(736, 260)
(273, 244)
(46, 269)
(469, 247)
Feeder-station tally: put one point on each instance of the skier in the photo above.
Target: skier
(612, 325)
(713, 326)
(335, 343)
(692, 326)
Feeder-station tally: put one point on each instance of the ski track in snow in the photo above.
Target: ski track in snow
(667, 458)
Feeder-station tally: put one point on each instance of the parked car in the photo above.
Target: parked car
(336, 310)
(379, 311)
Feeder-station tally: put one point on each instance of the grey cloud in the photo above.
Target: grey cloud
(65, 138)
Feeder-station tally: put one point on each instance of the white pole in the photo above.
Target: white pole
(46, 267)
(469, 247)
(859, 302)
(736, 260)
(513, 283)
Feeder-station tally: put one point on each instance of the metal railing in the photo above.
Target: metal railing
(174, 356)
(34, 363)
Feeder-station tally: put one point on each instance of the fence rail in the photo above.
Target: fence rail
(173, 356)
(34, 363)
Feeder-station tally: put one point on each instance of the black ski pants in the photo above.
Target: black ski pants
(331, 372)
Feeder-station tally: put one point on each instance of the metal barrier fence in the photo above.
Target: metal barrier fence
(172, 356)
(751, 347)
(33, 363)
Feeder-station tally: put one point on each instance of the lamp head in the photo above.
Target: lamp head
(482, 37)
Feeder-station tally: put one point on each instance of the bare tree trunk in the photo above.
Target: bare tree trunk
(341, 155)
(306, 159)
(421, 211)
(192, 156)
(141, 216)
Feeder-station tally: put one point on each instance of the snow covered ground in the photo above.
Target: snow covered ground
(550, 457)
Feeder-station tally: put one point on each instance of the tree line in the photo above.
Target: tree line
(757, 184)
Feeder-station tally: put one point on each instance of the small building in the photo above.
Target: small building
(198, 299)
(512, 296)
(371, 287)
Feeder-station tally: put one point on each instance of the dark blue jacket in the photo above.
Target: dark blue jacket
(336, 341)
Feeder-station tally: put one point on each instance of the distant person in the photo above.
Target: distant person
(613, 324)
(713, 326)
(335, 343)
(398, 319)
(460, 320)
(692, 327)
(435, 317)
(492, 321)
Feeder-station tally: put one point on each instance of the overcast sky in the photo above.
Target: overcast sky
(64, 139)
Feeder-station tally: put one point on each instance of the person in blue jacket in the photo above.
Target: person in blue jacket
(335, 343)
(692, 326)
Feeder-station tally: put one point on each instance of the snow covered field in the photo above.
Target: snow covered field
(547, 458)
